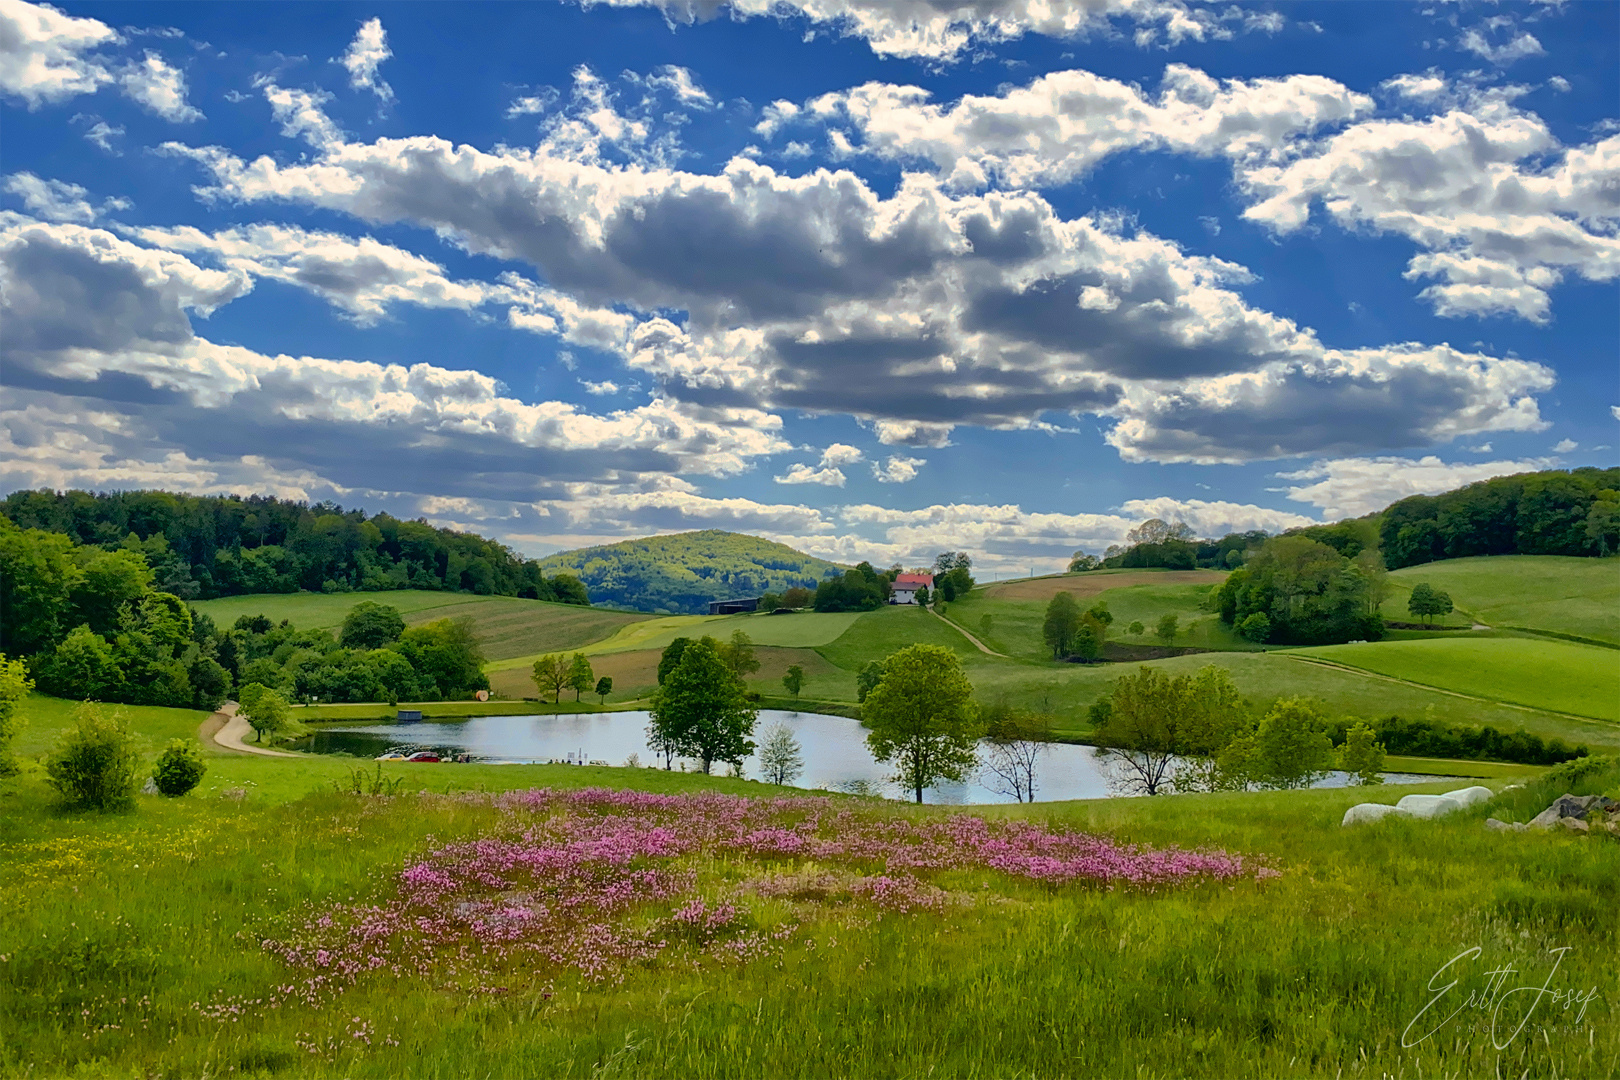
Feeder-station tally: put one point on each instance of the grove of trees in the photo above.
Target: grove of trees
(1299, 591)
(203, 546)
(700, 710)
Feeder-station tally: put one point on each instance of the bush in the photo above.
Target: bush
(96, 762)
(179, 768)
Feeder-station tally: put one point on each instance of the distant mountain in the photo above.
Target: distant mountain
(680, 574)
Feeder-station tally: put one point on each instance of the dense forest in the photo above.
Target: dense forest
(681, 573)
(1545, 513)
(204, 546)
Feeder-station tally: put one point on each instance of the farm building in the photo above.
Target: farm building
(733, 607)
(906, 586)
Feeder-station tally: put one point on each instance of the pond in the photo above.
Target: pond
(833, 748)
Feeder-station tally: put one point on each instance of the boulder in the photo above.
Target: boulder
(1505, 826)
(1369, 811)
(1569, 806)
(150, 787)
(1471, 796)
(1574, 824)
(1429, 806)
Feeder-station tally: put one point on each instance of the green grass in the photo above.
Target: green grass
(802, 630)
(1015, 625)
(1558, 675)
(506, 626)
(876, 634)
(130, 919)
(1562, 594)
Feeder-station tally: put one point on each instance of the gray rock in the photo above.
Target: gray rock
(1505, 826)
(150, 787)
(1574, 824)
(1572, 806)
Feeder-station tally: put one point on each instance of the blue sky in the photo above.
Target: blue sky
(873, 278)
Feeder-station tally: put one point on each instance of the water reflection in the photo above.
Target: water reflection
(833, 748)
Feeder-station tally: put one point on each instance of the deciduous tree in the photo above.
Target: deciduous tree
(580, 676)
(923, 718)
(551, 673)
(793, 681)
(780, 760)
(701, 710)
(604, 687)
(1060, 625)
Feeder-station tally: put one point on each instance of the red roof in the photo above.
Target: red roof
(913, 580)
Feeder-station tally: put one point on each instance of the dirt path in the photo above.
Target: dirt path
(987, 650)
(228, 730)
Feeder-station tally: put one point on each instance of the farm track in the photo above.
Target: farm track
(227, 730)
(982, 647)
(1449, 693)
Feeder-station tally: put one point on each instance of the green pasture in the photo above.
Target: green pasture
(130, 945)
(1015, 625)
(1562, 594)
(323, 610)
(1541, 673)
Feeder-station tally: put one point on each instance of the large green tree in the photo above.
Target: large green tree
(370, 625)
(701, 711)
(922, 717)
(1061, 623)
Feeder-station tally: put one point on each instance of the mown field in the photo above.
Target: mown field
(1562, 594)
(506, 626)
(1548, 674)
(132, 944)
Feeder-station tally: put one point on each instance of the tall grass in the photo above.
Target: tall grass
(130, 945)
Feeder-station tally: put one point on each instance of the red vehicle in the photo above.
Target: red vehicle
(423, 755)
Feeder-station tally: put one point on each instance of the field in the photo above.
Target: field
(1015, 623)
(131, 943)
(801, 630)
(505, 626)
(1565, 595)
(1557, 675)
(1095, 581)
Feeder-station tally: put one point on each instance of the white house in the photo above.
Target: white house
(906, 586)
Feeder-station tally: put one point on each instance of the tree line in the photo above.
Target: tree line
(205, 546)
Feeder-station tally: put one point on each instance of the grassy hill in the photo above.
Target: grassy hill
(683, 572)
(505, 626)
(1557, 593)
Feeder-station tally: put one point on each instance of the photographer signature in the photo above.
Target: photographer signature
(1495, 998)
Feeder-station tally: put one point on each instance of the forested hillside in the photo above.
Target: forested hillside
(1545, 513)
(683, 572)
(205, 546)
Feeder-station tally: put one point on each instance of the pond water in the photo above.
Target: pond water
(833, 748)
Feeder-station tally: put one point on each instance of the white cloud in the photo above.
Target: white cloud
(45, 55)
(1565, 446)
(1519, 43)
(916, 312)
(841, 454)
(159, 88)
(52, 200)
(600, 389)
(1062, 124)
(362, 276)
(365, 55)
(1353, 487)
(944, 31)
(801, 473)
(897, 469)
(1614, 411)
(102, 134)
(1499, 229)
(679, 82)
(1214, 519)
(301, 114)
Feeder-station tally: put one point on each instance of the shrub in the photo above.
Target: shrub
(95, 763)
(179, 768)
(14, 686)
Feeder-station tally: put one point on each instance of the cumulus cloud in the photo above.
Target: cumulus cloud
(916, 312)
(943, 31)
(53, 200)
(897, 469)
(829, 474)
(1500, 210)
(1353, 487)
(302, 114)
(1515, 44)
(101, 134)
(1564, 446)
(365, 55)
(361, 276)
(89, 315)
(160, 89)
(1062, 124)
(46, 56)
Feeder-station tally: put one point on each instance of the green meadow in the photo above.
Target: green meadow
(130, 943)
(1549, 674)
(1554, 593)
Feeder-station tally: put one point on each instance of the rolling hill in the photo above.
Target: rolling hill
(683, 572)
